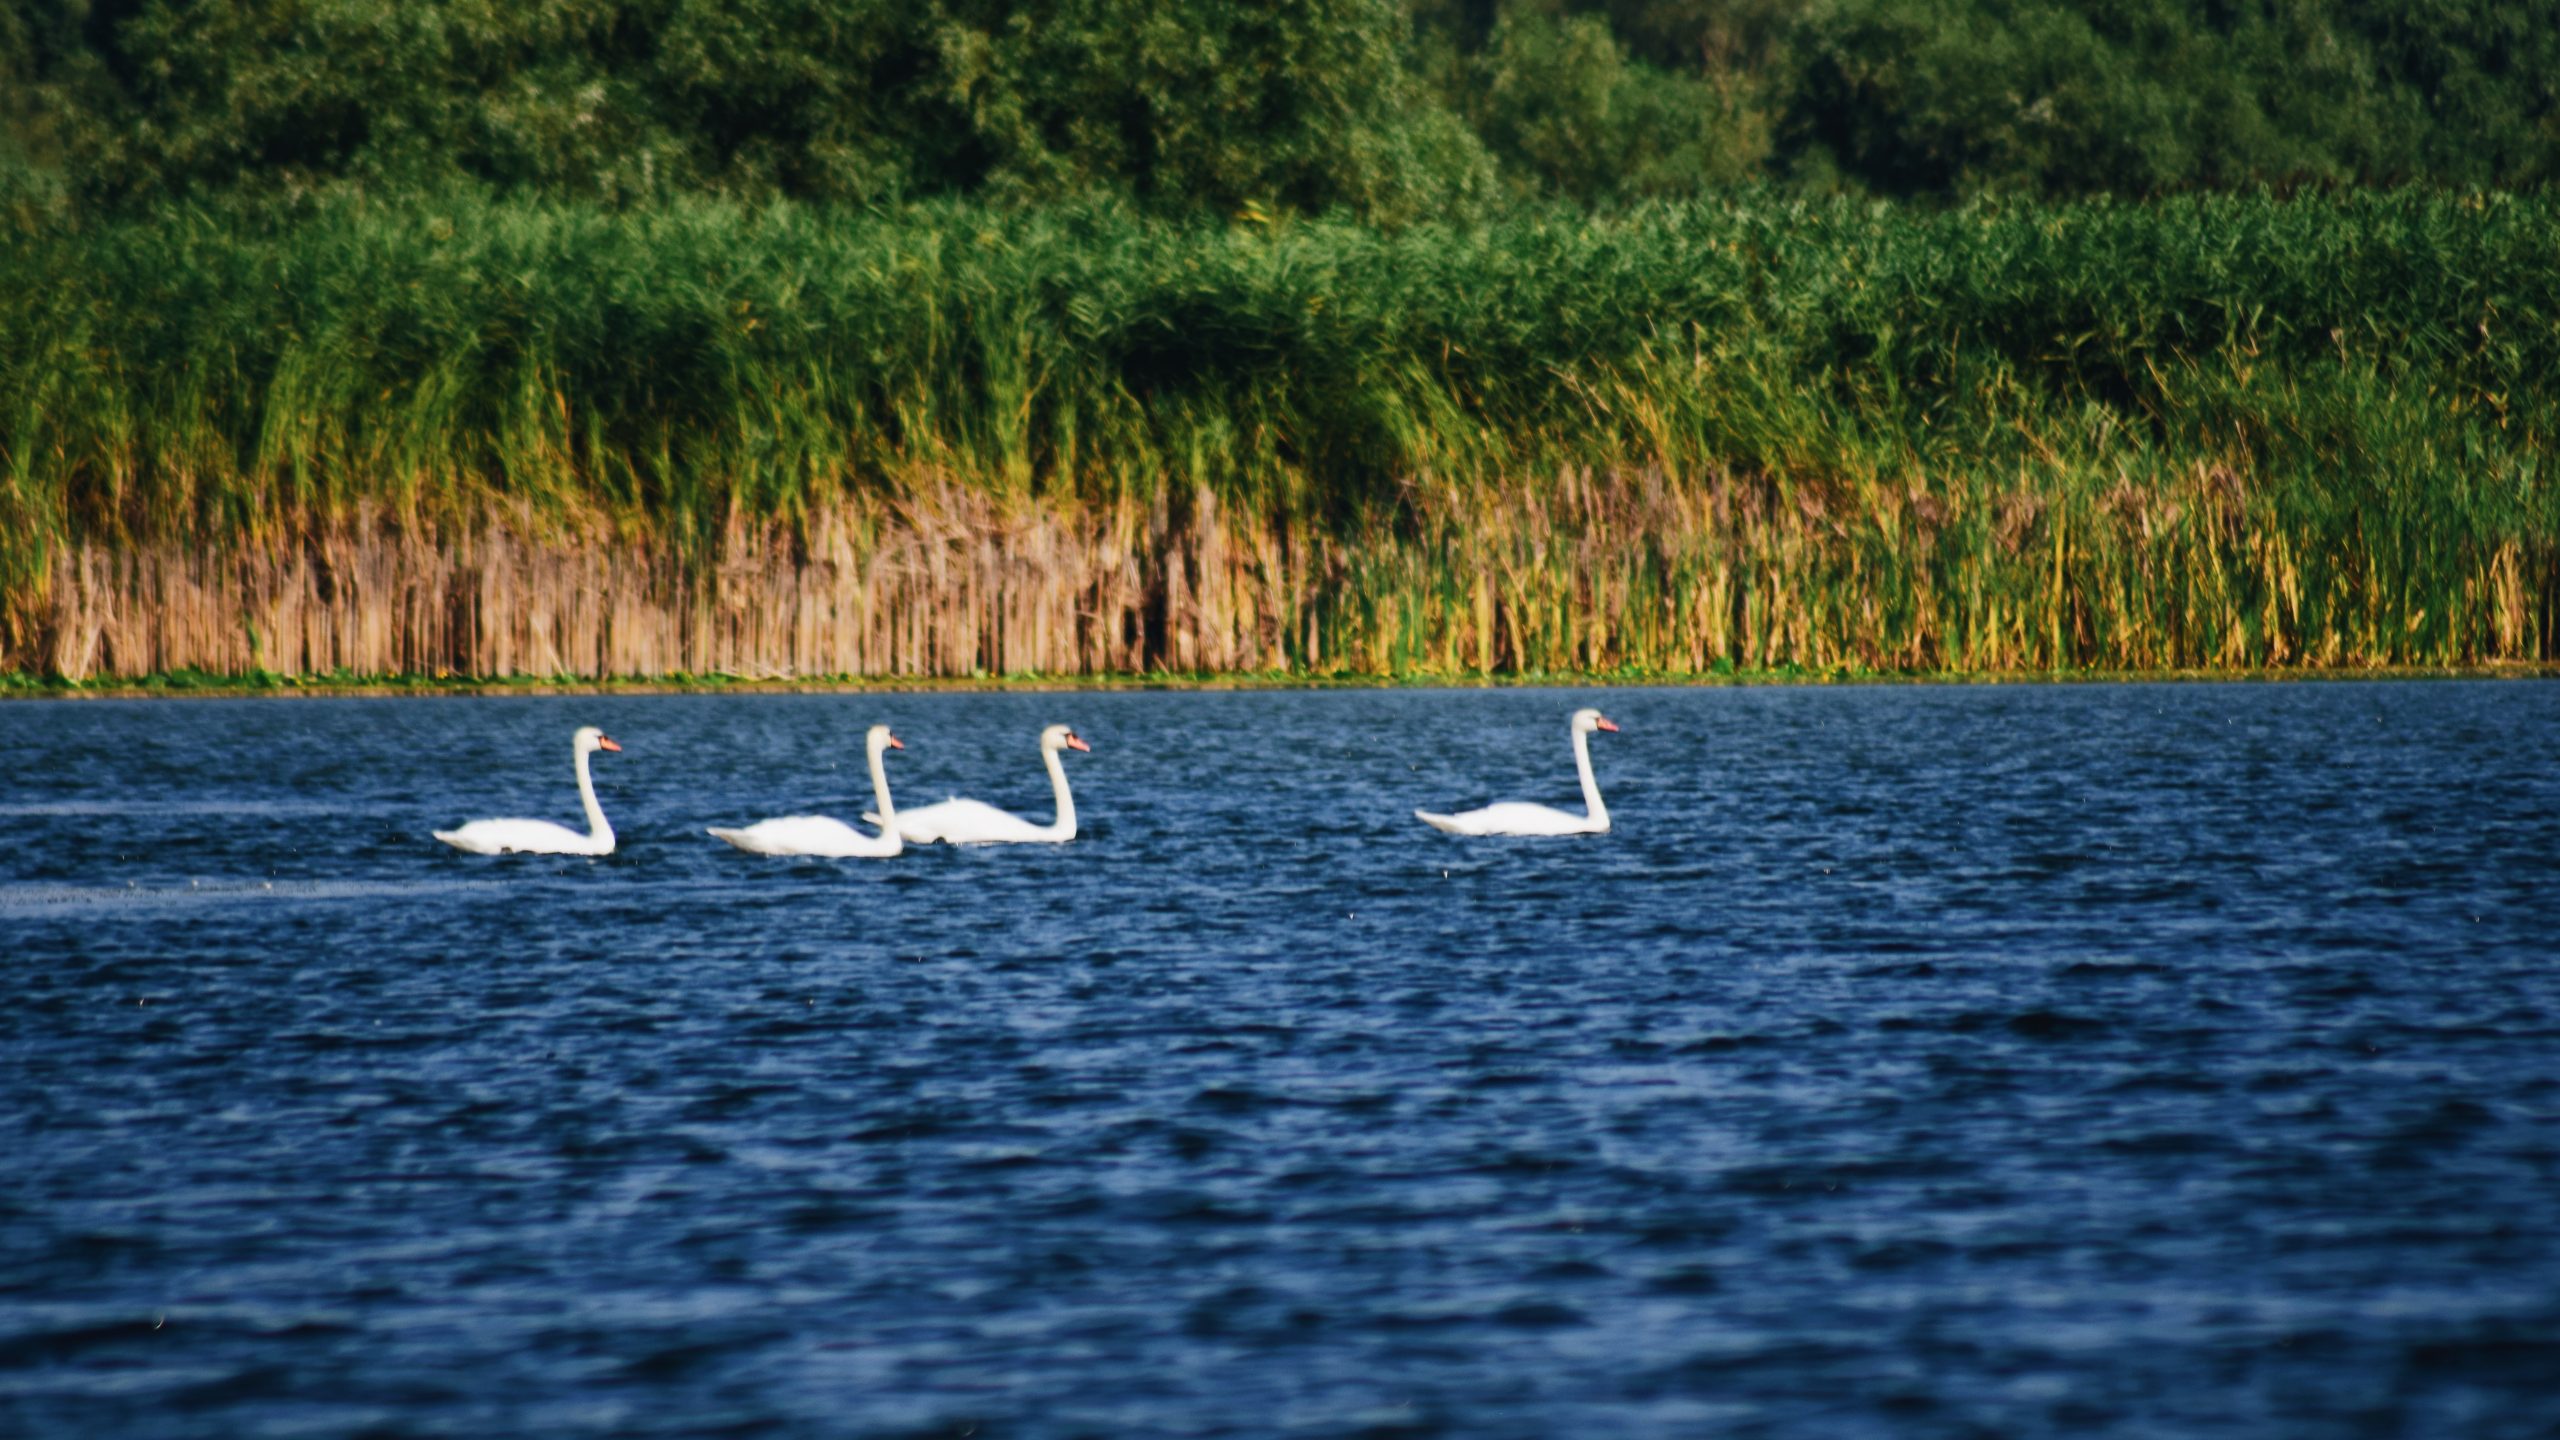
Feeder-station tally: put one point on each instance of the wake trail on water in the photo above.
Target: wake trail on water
(60, 899)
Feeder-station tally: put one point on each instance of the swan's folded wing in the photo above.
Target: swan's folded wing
(518, 837)
(925, 817)
(820, 835)
(1517, 817)
(963, 822)
(1511, 817)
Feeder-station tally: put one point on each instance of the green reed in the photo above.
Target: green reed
(2221, 431)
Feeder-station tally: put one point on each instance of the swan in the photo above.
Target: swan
(541, 837)
(1512, 817)
(824, 835)
(974, 822)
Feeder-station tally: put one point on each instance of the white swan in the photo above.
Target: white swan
(1513, 817)
(541, 837)
(974, 822)
(824, 835)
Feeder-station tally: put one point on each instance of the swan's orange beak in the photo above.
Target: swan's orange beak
(1605, 723)
(897, 744)
(605, 742)
(1076, 742)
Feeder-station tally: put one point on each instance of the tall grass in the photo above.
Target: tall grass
(2229, 432)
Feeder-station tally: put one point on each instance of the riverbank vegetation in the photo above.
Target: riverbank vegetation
(896, 361)
(2233, 431)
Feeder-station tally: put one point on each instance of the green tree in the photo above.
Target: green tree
(1386, 109)
(1308, 106)
(2138, 96)
(43, 63)
(1566, 111)
(293, 94)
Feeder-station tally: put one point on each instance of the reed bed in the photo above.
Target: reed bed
(491, 439)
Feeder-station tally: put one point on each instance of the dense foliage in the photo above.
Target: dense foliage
(2346, 402)
(1389, 109)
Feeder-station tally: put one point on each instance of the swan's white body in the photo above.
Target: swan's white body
(818, 835)
(541, 837)
(1514, 817)
(975, 822)
(825, 836)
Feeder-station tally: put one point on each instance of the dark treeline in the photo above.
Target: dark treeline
(1387, 110)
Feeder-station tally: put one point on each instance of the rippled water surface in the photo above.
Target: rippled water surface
(2127, 1060)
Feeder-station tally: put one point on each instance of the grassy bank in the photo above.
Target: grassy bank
(2223, 433)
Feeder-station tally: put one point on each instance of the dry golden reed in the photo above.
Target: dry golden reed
(1620, 571)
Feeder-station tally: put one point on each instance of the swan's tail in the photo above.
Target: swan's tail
(734, 837)
(450, 837)
(1448, 823)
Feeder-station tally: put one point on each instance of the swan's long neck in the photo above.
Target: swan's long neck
(1064, 827)
(1590, 786)
(597, 830)
(880, 797)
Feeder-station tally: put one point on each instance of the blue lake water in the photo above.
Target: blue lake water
(2091, 1060)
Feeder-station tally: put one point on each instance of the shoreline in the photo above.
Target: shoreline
(187, 685)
